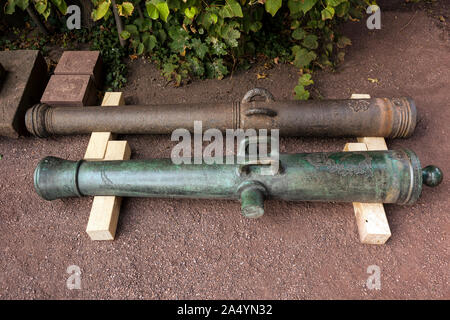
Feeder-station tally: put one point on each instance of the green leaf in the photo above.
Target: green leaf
(61, 5)
(46, 13)
(272, 6)
(213, 18)
(140, 48)
(22, 4)
(295, 6)
(216, 69)
(125, 9)
(301, 93)
(168, 69)
(10, 7)
(231, 9)
(41, 6)
(342, 9)
(152, 11)
(161, 35)
(163, 10)
(101, 10)
(207, 19)
(295, 24)
(125, 35)
(230, 34)
(334, 3)
(143, 24)
(310, 42)
(298, 34)
(305, 80)
(296, 49)
(196, 66)
(217, 47)
(134, 44)
(190, 12)
(149, 41)
(327, 13)
(324, 61)
(343, 42)
(329, 47)
(307, 5)
(132, 29)
(200, 48)
(255, 26)
(303, 57)
(180, 39)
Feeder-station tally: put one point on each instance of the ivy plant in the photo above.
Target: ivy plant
(207, 39)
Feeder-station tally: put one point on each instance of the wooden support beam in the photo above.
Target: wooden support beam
(373, 226)
(104, 214)
(360, 96)
(99, 140)
(372, 222)
(105, 210)
(118, 150)
(374, 143)
(112, 99)
(355, 146)
(96, 148)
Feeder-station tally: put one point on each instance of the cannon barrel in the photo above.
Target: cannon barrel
(377, 117)
(370, 176)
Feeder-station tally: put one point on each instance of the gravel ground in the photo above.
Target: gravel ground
(198, 249)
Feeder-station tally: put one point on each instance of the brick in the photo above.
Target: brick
(81, 63)
(24, 81)
(70, 91)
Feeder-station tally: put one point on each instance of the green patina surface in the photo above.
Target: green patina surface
(375, 176)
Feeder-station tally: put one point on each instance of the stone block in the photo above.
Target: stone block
(70, 91)
(81, 63)
(24, 79)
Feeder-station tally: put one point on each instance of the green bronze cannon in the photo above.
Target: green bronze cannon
(371, 176)
(377, 117)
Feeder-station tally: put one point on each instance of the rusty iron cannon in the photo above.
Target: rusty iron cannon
(369, 176)
(376, 117)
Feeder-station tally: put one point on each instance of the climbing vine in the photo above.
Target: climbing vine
(208, 39)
